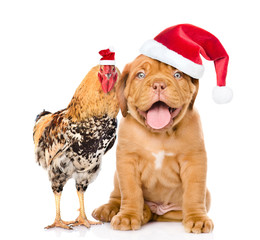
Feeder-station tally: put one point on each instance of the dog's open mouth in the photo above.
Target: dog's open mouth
(159, 115)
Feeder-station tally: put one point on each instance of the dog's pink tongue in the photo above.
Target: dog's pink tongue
(158, 116)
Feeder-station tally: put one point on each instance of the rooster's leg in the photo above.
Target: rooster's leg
(82, 218)
(58, 222)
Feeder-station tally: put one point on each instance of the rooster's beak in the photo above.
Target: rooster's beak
(108, 75)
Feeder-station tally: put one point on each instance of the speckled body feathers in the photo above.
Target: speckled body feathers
(75, 150)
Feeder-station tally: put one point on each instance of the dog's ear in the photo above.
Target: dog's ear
(120, 90)
(195, 82)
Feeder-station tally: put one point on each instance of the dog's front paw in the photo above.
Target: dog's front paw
(198, 224)
(126, 222)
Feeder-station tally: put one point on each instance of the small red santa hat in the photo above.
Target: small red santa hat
(108, 57)
(181, 46)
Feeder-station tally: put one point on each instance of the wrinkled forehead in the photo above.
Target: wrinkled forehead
(153, 67)
(148, 64)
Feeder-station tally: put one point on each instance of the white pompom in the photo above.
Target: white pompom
(222, 94)
(112, 49)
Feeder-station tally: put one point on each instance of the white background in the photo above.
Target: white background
(46, 49)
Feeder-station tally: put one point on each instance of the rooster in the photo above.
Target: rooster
(70, 143)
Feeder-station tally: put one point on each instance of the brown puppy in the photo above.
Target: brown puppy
(161, 158)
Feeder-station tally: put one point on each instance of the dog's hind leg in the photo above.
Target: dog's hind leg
(172, 216)
(107, 211)
(147, 214)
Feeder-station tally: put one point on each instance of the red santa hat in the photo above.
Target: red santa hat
(108, 57)
(181, 46)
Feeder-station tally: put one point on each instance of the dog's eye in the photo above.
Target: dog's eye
(140, 75)
(177, 75)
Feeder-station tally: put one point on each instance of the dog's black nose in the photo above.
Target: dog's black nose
(159, 86)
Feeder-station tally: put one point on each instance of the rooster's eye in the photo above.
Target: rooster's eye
(140, 75)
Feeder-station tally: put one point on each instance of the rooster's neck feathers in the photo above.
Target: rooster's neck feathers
(89, 100)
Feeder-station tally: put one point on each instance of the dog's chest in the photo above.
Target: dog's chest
(160, 167)
(159, 158)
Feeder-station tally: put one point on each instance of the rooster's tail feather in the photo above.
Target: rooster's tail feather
(43, 113)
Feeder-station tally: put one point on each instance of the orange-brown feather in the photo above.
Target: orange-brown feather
(56, 126)
(40, 126)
